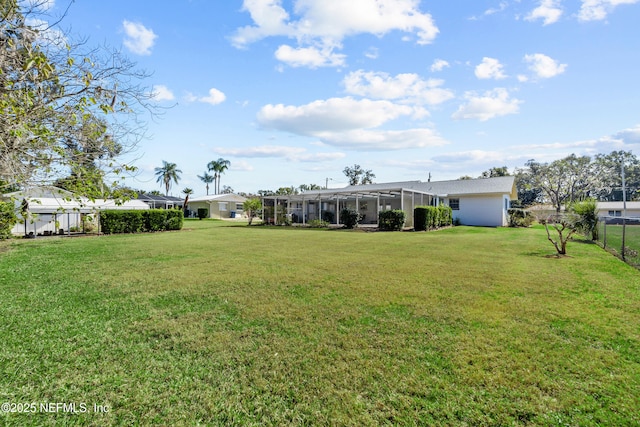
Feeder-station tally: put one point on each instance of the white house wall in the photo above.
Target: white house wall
(482, 211)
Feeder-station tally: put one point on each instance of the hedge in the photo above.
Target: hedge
(430, 217)
(391, 220)
(140, 221)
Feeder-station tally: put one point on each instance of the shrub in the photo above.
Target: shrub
(328, 216)
(155, 220)
(519, 218)
(202, 213)
(175, 219)
(587, 222)
(391, 220)
(318, 223)
(430, 217)
(349, 218)
(137, 221)
(7, 219)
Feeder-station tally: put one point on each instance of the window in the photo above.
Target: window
(615, 213)
(222, 206)
(238, 206)
(454, 204)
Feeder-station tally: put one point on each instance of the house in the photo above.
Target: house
(218, 206)
(480, 202)
(161, 202)
(618, 209)
(50, 210)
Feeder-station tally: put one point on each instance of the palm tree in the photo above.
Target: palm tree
(218, 167)
(207, 179)
(187, 191)
(167, 173)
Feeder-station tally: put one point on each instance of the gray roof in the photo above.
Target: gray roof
(461, 187)
(225, 197)
(480, 186)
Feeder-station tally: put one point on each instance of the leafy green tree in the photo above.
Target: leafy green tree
(207, 179)
(64, 107)
(308, 187)
(563, 181)
(167, 174)
(252, 207)
(218, 167)
(608, 169)
(358, 176)
(495, 172)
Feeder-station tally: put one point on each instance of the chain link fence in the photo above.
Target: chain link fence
(621, 236)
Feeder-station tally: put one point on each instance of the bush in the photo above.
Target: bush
(138, 221)
(175, 219)
(318, 223)
(587, 223)
(202, 213)
(349, 218)
(7, 219)
(391, 220)
(519, 218)
(430, 217)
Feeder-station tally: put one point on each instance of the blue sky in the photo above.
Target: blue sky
(292, 91)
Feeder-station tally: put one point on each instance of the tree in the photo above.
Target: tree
(207, 179)
(218, 167)
(563, 181)
(168, 173)
(251, 207)
(187, 192)
(64, 108)
(358, 176)
(608, 171)
(495, 172)
(227, 190)
(565, 227)
(308, 187)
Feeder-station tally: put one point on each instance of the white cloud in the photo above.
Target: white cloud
(372, 53)
(215, 97)
(350, 123)
(46, 34)
(597, 10)
(549, 11)
(406, 86)
(494, 103)
(439, 65)
(383, 140)
(138, 38)
(543, 66)
(311, 57)
(322, 25)
(296, 154)
(162, 93)
(334, 114)
(490, 68)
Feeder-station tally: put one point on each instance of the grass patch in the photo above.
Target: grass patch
(223, 324)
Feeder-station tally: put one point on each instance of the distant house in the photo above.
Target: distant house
(618, 209)
(161, 202)
(51, 210)
(481, 202)
(218, 206)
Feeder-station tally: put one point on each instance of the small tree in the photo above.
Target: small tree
(349, 218)
(7, 219)
(251, 208)
(565, 227)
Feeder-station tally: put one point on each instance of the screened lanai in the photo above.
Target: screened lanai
(367, 200)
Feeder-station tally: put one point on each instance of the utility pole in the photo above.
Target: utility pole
(624, 210)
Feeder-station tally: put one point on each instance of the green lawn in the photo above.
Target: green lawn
(613, 235)
(235, 325)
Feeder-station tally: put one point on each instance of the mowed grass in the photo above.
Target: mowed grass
(236, 325)
(613, 236)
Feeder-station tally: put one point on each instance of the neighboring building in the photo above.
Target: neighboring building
(218, 206)
(161, 202)
(51, 210)
(481, 202)
(618, 209)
